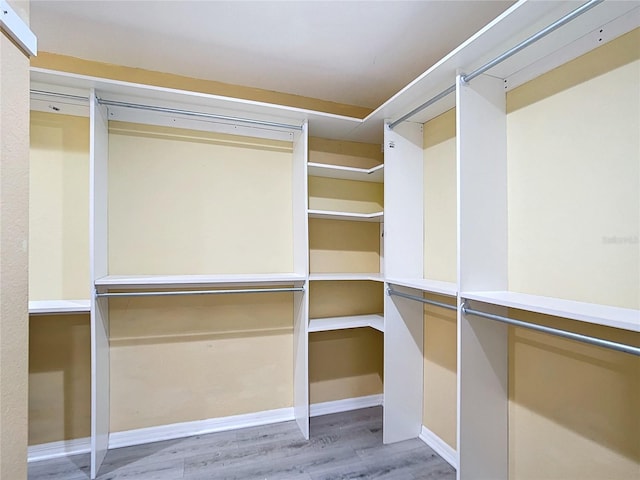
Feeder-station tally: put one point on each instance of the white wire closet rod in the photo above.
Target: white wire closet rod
(59, 95)
(620, 347)
(157, 293)
(390, 292)
(189, 113)
(501, 58)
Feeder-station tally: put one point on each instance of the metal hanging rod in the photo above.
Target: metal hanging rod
(59, 95)
(176, 111)
(199, 292)
(390, 292)
(501, 58)
(620, 347)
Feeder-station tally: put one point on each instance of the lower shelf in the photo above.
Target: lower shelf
(48, 307)
(340, 323)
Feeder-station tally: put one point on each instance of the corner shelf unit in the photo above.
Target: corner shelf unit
(376, 217)
(375, 174)
(342, 323)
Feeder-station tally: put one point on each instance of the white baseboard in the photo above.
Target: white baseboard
(200, 427)
(337, 406)
(63, 448)
(439, 446)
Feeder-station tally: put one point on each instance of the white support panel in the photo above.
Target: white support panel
(403, 368)
(48, 307)
(374, 277)
(300, 201)
(375, 174)
(301, 361)
(17, 29)
(342, 323)
(431, 286)
(482, 264)
(483, 398)
(616, 317)
(197, 281)
(98, 251)
(374, 217)
(482, 184)
(100, 391)
(403, 201)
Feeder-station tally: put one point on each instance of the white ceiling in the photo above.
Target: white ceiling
(354, 52)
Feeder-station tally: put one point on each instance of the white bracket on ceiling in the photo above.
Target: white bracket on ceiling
(17, 29)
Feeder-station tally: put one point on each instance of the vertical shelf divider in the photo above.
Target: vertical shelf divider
(482, 265)
(301, 265)
(403, 247)
(99, 147)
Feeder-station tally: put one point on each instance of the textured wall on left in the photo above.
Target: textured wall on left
(14, 192)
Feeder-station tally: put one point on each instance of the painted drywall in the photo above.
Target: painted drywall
(190, 202)
(197, 357)
(440, 198)
(439, 407)
(80, 66)
(14, 236)
(573, 409)
(574, 183)
(347, 154)
(59, 377)
(58, 207)
(339, 246)
(345, 195)
(574, 179)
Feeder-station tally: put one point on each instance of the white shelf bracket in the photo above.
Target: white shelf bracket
(17, 29)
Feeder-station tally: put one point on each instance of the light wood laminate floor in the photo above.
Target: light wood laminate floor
(342, 446)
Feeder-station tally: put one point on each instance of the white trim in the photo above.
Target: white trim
(15, 27)
(140, 436)
(345, 405)
(439, 446)
(63, 448)
(198, 427)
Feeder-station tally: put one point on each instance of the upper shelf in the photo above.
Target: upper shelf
(431, 286)
(48, 307)
(374, 277)
(342, 323)
(376, 217)
(375, 174)
(625, 318)
(197, 281)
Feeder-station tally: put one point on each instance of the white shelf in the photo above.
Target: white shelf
(625, 318)
(375, 174)
(376, 217)
(164, 281)
(374, 277)
(47, 307)
(341, 323)
(432, 286)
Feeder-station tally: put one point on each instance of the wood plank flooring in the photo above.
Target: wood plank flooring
(343, 446)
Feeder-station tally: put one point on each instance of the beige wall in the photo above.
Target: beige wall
(59, 207)
(440, 198)
(348, 154)
(574, 179)
(345, 195)
(439, 410)
(178, 359)
(59, 378)
(137, 75)
(340, 246)
(14, 217)
(574, 407)
(189, 202)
